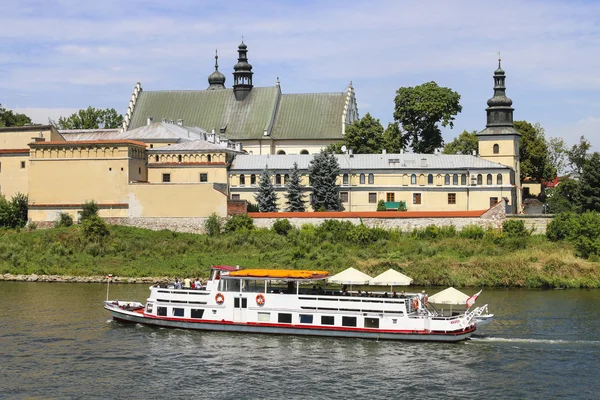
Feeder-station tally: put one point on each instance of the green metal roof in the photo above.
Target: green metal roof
(209, 109)
(310, 116)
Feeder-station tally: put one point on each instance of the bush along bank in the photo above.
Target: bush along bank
(433, 256)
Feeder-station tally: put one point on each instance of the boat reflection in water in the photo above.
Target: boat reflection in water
(273, 301)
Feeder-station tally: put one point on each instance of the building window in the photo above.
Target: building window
(463, 179)
(235, 197)
(447, 179)
(179, 158)
(242, 180)
(413, 179)
(451, 198)
(209, 158)
(303, 151)
(22, 164)
(499, 179)
(455, 179)
(390, 197)
(203, 177)
(372, 197)
(344, 197)
(156, 158)
(345, 179)
(278, 179)
(281, 152)
(489, 179)
(286, 178)
(479, 179)
(493, 201)
(430, 179)
(166, 177)
(253, 179)
(371, 179)
(362, 179)
(416, 198)
(496, 149)
(140, 170)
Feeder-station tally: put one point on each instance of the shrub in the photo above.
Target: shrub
(472, 232)
(252, 207)
(89, 209)
(334, 230)
(361, 235)
(563, 226)
(282, 226)
(213, 225)
(94, 229)
(13, 213)
(587, 239)
(63, 220)
(447, 231)
(515, 228)
(381, 205)
(238, 223)
(402, 206)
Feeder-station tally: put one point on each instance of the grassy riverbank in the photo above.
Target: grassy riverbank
(442, 261)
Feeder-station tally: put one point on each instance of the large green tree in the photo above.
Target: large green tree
(465, 143)
(558, 155)
(533, 151)
(323, 172)
(421, 108)
(394, 141)
(265, 196)
(9, 118)
(294, 196)
(564, 197)
(578, 155)
(589, 185)
(90, 118)
(364, 136)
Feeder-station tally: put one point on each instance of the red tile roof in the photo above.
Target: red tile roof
(91, 142)
(14, 151)
(371, 214)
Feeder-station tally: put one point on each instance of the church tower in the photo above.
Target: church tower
(499, 141)
(216, 80)
(242, 75)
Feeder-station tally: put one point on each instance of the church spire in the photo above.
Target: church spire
(499, 111)
(242, 74)
(216, 80)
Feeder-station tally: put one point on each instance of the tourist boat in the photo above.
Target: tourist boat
(283, 302)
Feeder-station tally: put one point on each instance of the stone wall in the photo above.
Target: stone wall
(188, 225)
(538, 222)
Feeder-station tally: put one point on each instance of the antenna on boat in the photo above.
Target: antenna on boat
(109, 277)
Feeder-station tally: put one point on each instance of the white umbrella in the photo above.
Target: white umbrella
(449, 296)
(392, 278)
(350, 277)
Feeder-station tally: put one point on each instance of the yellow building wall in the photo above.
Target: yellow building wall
(188, 174)
(13, 177)
(507, 149)
(19, 138)
(273, 146)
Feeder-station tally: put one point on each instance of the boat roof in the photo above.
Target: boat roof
(224, 268)
(288, 274)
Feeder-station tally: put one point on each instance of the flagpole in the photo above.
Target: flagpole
(108, 285)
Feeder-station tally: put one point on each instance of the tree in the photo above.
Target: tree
(294, 196)
(364, 136)
(558, 155)
(393, 139)
(419, 109)
(266, 196)
(578, 155)
(589, 185)
(564, 197)
(323, 172)
(9, 118)
(465, 143)
(533, 151)
(13, 213)
(89, 209)
(90, 118)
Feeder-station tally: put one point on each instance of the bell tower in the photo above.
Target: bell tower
(242, 75)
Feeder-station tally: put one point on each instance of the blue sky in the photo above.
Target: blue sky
(59, 56)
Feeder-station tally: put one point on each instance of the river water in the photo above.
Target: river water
(56, 341)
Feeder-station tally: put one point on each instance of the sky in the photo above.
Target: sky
(59, 56)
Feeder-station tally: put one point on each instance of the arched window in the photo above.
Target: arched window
(371, 179)
(242, 180)
(430, 179)
(253, 179)
(447, 180)
(496, 149)
(455, 179)
(345, 179)
(209, 158)
(499, 179)
(156, 158)
(463, 179)
(278, 179)
(281, 152)
(304, 151)
(479, 179)
(286, 177)
(362, 179)
(413, 179)
(489, 179)
(179, 158)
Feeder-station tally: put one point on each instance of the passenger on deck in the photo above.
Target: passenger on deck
(394, 295)
(177, 284)
(197, 284)
(385, 295)
(187, 283)
(314, 290)
(403, 295)
(358, 293)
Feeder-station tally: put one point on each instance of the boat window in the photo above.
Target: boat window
(149, 307)
(161, 311)
(229, 285)
(197, 313)
(178, 312)
(264, 317)
(306, 319)
(371, 322)
(348, 321)
(284, 318)
(326, 320)
(236, 302)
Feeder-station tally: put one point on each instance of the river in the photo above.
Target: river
(56, 341)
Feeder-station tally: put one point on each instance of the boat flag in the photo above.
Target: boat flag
(471, 300)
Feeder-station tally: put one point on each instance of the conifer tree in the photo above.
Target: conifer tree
(266, 198)
(589, 185)
(323, 172)
(294, 195)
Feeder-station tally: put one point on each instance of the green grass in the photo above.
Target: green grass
(449, 261)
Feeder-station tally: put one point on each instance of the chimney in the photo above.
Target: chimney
(423, 162)
(351, 153)
(180, 122)
(38, 139)
(384, 151)
(475, 152)
(149, 121)
(401, 151)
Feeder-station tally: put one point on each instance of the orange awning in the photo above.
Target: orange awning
(279, 274)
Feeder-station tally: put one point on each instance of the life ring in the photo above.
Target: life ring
(415, 304)
(260, 299)
(219, 298)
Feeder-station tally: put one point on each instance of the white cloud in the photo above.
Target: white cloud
(41, 115)
(588, 127)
